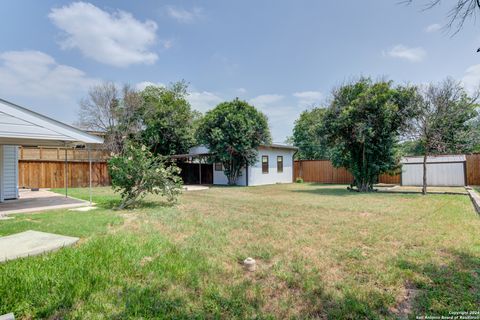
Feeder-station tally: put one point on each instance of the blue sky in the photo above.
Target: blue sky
(282, 56)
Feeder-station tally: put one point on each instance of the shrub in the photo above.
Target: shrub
(136, 172)
(299, 180)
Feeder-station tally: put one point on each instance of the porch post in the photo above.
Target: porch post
(90, 173)
(200, 170)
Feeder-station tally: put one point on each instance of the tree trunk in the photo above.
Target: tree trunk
(424, 185)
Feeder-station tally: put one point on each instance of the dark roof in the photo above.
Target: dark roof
(279, 146)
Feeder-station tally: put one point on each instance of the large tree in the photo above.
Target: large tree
(362, 126)
(444, 121)
(111, 111)
(459, 12)
(168, 120)
(306, 135)
(233, 131)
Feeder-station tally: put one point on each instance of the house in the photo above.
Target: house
(22, 127)
(274, 165)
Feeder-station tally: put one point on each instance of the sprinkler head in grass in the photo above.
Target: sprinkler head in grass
(249, 264)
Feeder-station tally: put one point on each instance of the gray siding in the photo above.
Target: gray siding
(10, 172)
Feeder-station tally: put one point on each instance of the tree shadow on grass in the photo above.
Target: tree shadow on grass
(113, 204)
(444, 288)
(328, 190)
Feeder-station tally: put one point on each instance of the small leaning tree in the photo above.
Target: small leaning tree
(233, 131)
(362, 127)
(444, 121)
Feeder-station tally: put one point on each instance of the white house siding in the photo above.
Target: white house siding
(255, 175)
(10, 172)
(257, 178)
(441, 171)
(221, 179)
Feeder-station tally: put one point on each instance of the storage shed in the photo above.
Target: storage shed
(444, 170)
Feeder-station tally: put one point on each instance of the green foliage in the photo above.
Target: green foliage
(299, 180)
(137, 172)
(233, 131)
(362, 126)
(169, 122)
(444, 120)
(307, 137)
(410, 148)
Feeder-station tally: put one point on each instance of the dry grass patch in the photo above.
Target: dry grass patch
(322, 252)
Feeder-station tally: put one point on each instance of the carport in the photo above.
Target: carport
(22, 127)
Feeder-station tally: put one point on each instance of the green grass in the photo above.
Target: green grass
(322, 252)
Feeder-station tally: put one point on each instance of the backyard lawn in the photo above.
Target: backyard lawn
(322, 252)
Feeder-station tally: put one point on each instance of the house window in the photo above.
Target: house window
(264, 164)
(279, 164)
(218, 166)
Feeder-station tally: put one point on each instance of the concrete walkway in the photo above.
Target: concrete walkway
(32, 201)
(30, 243)
(195, 187)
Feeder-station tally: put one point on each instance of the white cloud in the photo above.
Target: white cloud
(185, 16)
(241, 90)
(34, 79)
(280, 113)
(410, 54)
(471, 79)
(36, 74)
(204, 100)
(308, 98)
(167, 44)
(116, 38)
(142, 85)
(265, 100)
(433, 28)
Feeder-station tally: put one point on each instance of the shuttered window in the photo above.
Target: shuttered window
(218, 166)
(279, 164)
(264, 164)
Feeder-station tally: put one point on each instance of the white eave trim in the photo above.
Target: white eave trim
(66, 132)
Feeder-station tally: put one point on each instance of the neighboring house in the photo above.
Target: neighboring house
(274, 165)
(22, 127)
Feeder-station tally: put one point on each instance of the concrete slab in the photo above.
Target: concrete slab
(475, 198)
(82, 209)
(32, 201)
(195, 188)
(8, 316)
(30, 243)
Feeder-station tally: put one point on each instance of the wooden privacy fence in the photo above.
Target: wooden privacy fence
(322, 171)
(473, 169)
(45, 168)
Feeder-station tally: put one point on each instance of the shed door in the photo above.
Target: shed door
(438, 174)
(10, 172)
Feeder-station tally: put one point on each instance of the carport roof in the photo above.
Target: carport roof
(20, 126)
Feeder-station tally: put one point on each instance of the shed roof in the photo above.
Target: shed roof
(20, 126)
(202, 150)
(434, 159)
